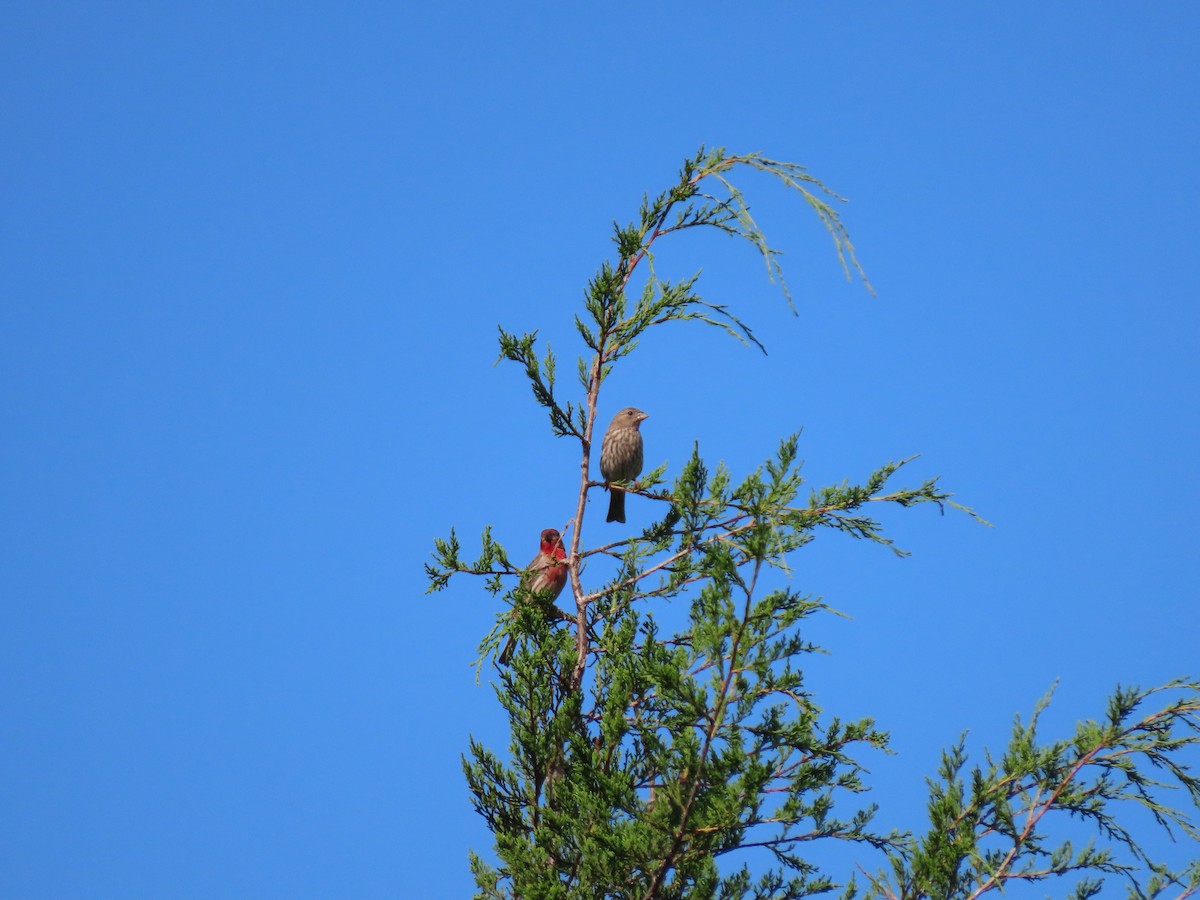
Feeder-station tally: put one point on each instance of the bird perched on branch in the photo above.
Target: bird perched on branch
(541, 583)
(621, 457)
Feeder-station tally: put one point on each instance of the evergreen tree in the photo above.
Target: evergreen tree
(643, 756)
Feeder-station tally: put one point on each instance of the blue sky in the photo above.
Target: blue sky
(254, 257)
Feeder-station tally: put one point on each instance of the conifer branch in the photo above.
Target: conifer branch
(641, 757)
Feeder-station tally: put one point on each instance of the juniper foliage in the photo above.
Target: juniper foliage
(654, 761)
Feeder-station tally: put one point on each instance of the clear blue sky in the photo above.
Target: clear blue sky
(252, 261)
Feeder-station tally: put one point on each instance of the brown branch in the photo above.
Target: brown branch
(674, 557)
(709, 739)
(1032, 819)
(626, 268)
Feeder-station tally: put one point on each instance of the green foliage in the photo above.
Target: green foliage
(663, 741)
(994, 828)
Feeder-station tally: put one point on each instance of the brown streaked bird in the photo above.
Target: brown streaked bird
(621, 457)
(542, 581)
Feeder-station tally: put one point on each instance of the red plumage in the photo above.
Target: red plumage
(542, 581)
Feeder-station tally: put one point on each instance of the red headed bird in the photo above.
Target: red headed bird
(542, 581)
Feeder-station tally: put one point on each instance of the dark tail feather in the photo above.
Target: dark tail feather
(616, 506)
(507, 652)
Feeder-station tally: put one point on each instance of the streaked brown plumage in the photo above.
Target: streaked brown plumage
(621, 456)
(542, 581)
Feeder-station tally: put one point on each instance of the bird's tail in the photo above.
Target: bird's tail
(616, 506)
(507, 652)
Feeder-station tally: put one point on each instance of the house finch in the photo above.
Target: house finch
(621, 457)
(542, 582)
